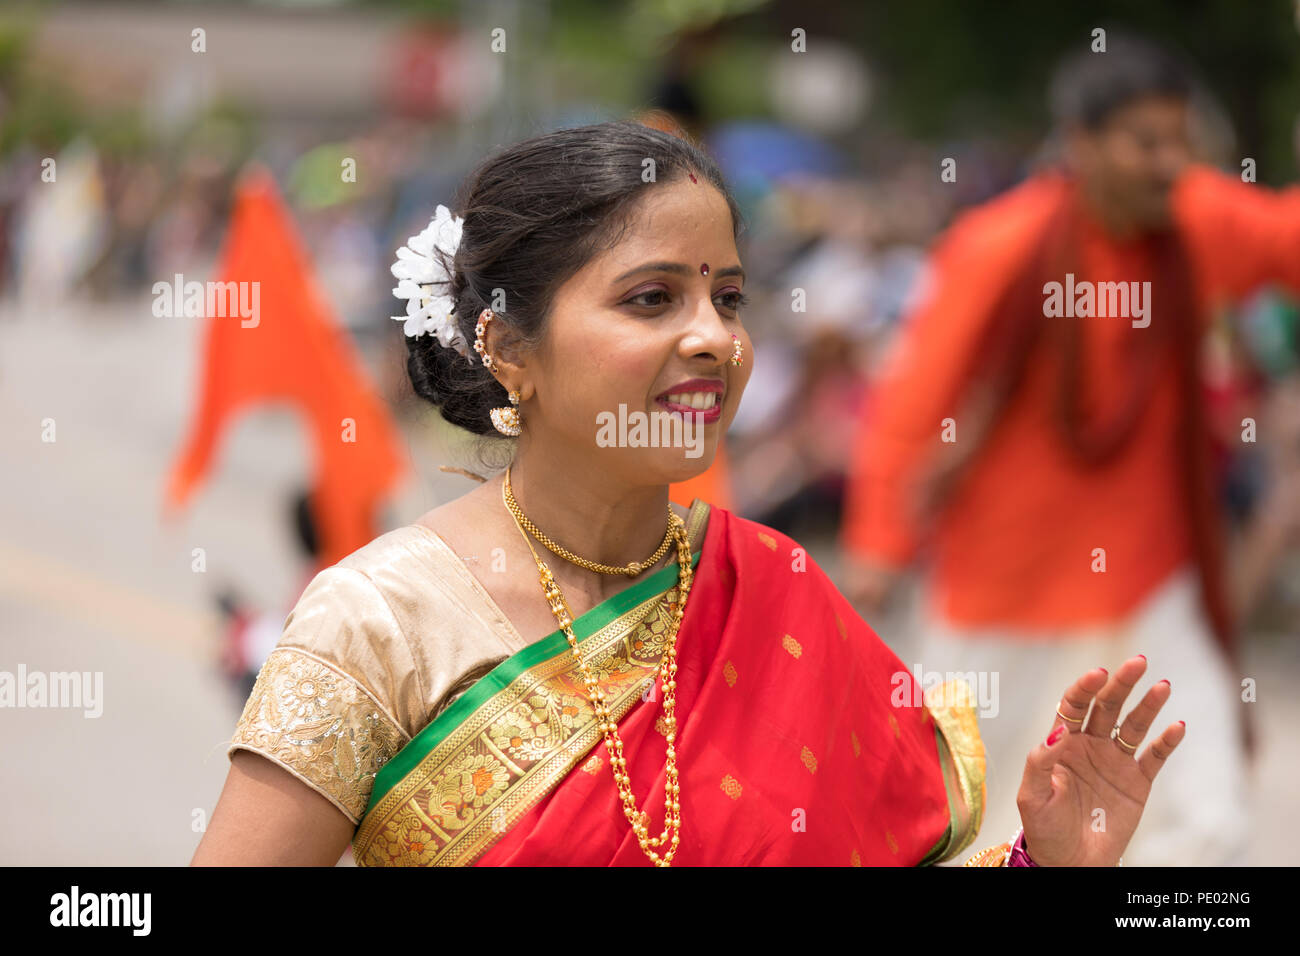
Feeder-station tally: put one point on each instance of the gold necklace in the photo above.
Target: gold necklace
(671, 833)
(632, 569)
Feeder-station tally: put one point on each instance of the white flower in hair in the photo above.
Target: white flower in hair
(419, 275)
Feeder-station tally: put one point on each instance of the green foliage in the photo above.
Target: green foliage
(954, 68)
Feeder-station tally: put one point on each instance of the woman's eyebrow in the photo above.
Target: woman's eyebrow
(678, 268)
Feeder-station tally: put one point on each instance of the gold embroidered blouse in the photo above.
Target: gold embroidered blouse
(356, 674)
(376, 648)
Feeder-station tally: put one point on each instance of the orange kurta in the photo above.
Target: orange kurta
(1015, 545)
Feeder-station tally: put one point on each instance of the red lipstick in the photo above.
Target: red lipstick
(705, 386)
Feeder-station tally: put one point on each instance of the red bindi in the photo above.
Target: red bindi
(704, 268)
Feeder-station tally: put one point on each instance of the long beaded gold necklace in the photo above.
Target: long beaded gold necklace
(671, 834)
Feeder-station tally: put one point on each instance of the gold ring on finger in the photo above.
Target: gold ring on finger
(1073, 720)
(1115, 736)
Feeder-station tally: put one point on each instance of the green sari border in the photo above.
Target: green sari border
(939, 851)
(505, 673)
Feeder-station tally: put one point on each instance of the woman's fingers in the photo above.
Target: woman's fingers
(1154, 757)
(1074, 702)
(1139, 720)
(1036, 786)
(1109, 702)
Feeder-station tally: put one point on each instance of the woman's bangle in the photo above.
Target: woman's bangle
(992, 856)
(1019, 856)
(1013, 853)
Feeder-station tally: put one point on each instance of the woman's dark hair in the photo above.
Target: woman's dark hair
(534, 214)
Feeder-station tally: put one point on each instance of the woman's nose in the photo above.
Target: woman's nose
(709, 332)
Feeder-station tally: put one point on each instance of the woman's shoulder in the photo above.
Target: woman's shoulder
(405, 545)
(352, 602)
(776, 557)
(356, 619)
(747, 530)
(383, 595)
(405, 566)
(345, 620)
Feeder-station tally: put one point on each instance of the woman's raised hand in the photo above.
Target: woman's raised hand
(1083, 790)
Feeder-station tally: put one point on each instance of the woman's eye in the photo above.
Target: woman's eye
(734, 300)
(634, 300)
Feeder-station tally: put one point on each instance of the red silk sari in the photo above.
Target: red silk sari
(801, 741)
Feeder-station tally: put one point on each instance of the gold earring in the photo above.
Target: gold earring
(737, 350)
(506, 419)
(483, 319)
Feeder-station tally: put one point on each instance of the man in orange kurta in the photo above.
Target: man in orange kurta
(1041, 559)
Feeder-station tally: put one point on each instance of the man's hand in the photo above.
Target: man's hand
(867, 584)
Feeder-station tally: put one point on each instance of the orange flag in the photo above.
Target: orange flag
(713, 485)
(282, 343)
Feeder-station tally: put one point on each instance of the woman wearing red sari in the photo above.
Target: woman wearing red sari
(562, 666)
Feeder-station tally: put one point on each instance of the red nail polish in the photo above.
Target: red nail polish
(1055, 735)
(1183, 722)
(1166, 682)
(1143, 656)
(1104, 671)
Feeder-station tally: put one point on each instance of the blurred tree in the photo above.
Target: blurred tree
(956, 68)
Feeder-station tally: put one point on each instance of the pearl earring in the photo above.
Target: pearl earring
(506, 419)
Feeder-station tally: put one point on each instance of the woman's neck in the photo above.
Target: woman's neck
(591, 514)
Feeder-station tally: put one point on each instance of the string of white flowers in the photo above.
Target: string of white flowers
(420, 274)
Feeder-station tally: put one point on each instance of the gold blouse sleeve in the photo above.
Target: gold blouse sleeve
(962, 756)
(322, 704)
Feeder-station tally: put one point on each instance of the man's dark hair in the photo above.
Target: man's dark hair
(1088, 87)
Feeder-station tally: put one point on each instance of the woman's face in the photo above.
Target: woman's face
(642, 326)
